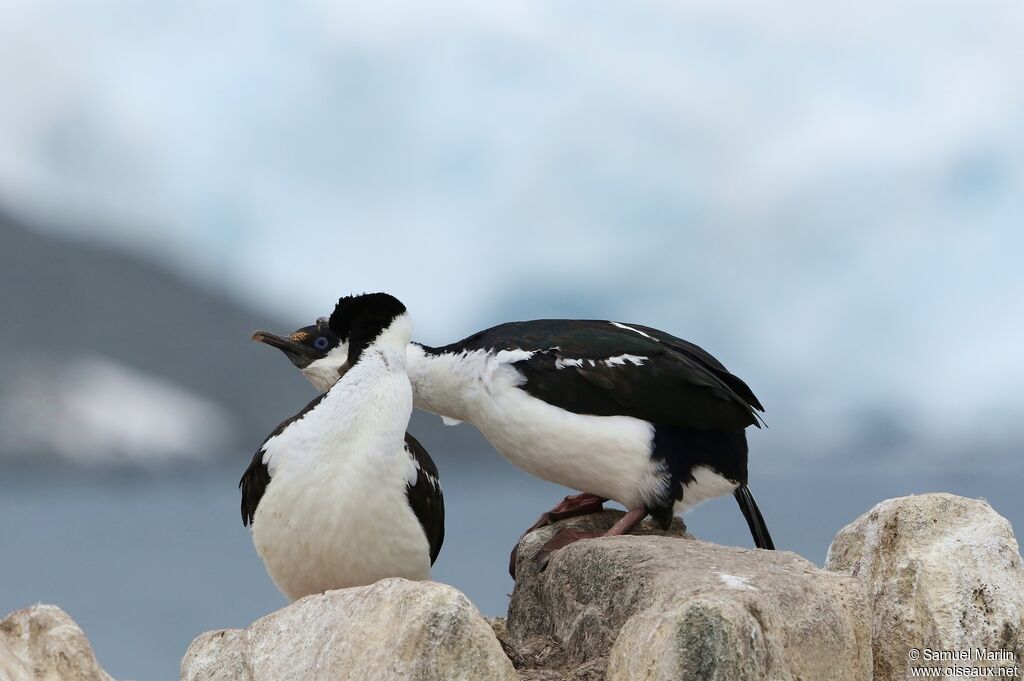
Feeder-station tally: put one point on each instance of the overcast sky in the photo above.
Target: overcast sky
(829, 197)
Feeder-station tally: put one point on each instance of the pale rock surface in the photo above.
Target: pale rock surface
(42, 643)
(942, 572)
(394, 630)
(657, 608)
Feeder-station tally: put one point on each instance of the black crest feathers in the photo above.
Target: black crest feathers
(358, 320)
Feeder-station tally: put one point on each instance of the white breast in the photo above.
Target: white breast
(604, 455)
(335, 513)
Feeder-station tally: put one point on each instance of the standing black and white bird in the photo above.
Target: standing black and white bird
(339, 495)
(618, 411)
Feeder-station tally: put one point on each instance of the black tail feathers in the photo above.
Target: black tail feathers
(758, 530)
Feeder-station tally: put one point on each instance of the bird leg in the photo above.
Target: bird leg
(563, 538)
(570, 507)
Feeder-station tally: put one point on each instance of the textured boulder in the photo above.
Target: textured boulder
(43, 642)
(391, 630)
(661, 607)
(942, 572)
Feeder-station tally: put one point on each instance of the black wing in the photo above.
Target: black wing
(737, 384)
(606, 368)
(256, 477)
(425, 496)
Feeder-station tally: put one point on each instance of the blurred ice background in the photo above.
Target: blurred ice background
(828, 197)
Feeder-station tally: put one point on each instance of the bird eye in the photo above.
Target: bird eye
(320, 343)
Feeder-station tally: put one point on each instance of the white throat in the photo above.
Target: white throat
(325, 372)
(390, 344)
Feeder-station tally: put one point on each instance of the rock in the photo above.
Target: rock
(525, 608)
(43, 642)
(942, 572)
(391, 630)
(663, 607)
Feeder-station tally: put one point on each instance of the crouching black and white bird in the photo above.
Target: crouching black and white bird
(339, 495)
(618, 411)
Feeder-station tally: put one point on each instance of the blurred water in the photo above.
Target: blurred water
(146, 562)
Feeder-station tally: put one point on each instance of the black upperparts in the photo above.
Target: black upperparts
(425, 496)
(606, 368)
(257, 476)
(358, 320)
(253, 484)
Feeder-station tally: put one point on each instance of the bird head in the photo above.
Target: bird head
(324, 351)
(315, 350)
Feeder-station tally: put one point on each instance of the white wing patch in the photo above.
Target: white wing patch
(266, 460)
(412, 471)
(513, 356)
(630, 328)
(619, 360)
(450, 421)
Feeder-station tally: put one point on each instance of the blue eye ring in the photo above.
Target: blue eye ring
(320, 343)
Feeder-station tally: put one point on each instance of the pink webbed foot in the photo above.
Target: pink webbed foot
(563, 538)
(570, 507)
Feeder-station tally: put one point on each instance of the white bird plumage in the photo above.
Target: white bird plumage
(335, 513)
